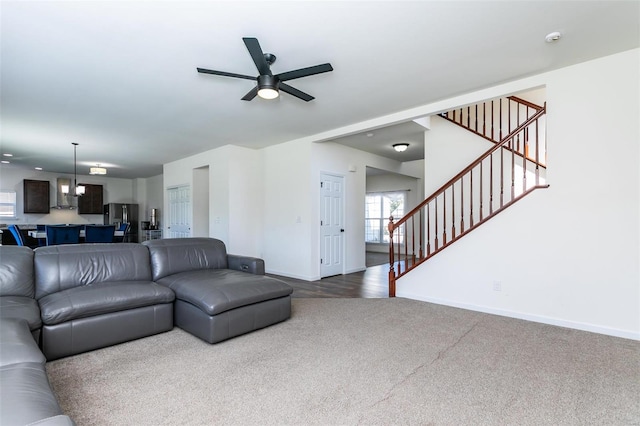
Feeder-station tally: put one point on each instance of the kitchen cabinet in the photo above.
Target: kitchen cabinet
(91, 201)
(36, 196)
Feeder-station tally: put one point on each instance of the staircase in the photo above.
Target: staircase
(511, 169)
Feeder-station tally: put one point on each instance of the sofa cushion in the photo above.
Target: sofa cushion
(62, 267)
(16, 271)
(17, 344)
(175, 255)
(220, 290)
(21, 307)
(102, 298)
(30, 398)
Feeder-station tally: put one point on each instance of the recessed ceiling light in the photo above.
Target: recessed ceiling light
(38, 168)
(7, 155)
(97, 170)
(553, 37)
(4, 162)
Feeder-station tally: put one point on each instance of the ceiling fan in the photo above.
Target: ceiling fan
(268, 84)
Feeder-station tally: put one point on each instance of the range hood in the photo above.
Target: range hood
(64, 201)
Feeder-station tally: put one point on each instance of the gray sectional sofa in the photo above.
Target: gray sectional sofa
(63, 300)
(92, 296)
(25, 394)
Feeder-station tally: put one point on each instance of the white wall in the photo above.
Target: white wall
(148, 194)
(153, 199)
(288, 195)
(235, 194)
(246, 201)
(567, 255)
(449, 149)
(219, 209)
(395, 182)
(200, 202)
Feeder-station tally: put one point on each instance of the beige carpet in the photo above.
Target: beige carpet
(360, 361)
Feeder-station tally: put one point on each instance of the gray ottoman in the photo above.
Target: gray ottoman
(218, 296)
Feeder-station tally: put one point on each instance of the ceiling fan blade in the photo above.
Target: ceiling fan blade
(225, 74)
(295, 92)
(250, 94)
(257, 55)
(303, 72)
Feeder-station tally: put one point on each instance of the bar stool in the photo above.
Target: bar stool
(65, 234)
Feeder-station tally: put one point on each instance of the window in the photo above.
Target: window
(378, 208)
(7, 203)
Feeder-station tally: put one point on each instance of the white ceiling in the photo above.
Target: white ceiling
(119, 77)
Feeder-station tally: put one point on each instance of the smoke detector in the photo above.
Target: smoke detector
(553, 37)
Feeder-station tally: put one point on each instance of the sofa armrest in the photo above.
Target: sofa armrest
(17, 344)
(60, 420)
(252, 265)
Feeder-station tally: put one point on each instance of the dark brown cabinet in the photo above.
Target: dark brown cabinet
(36, 196)
(91, 201)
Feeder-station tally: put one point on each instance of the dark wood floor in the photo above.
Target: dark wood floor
(371, 283)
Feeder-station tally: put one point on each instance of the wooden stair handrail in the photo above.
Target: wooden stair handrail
(525, 102)
(475, 131)
(469, 167)
(414, 257)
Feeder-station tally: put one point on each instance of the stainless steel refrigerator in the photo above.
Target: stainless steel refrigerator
(118, 213)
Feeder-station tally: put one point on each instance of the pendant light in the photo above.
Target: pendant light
(78, 189)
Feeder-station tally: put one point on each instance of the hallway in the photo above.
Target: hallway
(370, 283)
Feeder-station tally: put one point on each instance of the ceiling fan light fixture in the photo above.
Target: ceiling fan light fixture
(268, 93)
(401, 147)
(268, 87)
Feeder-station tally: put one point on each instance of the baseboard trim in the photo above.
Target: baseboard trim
(593, 328)
(287, 274)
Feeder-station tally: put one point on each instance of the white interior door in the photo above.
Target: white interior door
(179, 220)
(331, 225)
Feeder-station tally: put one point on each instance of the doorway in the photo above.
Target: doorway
(387, 194)
(200, 202)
